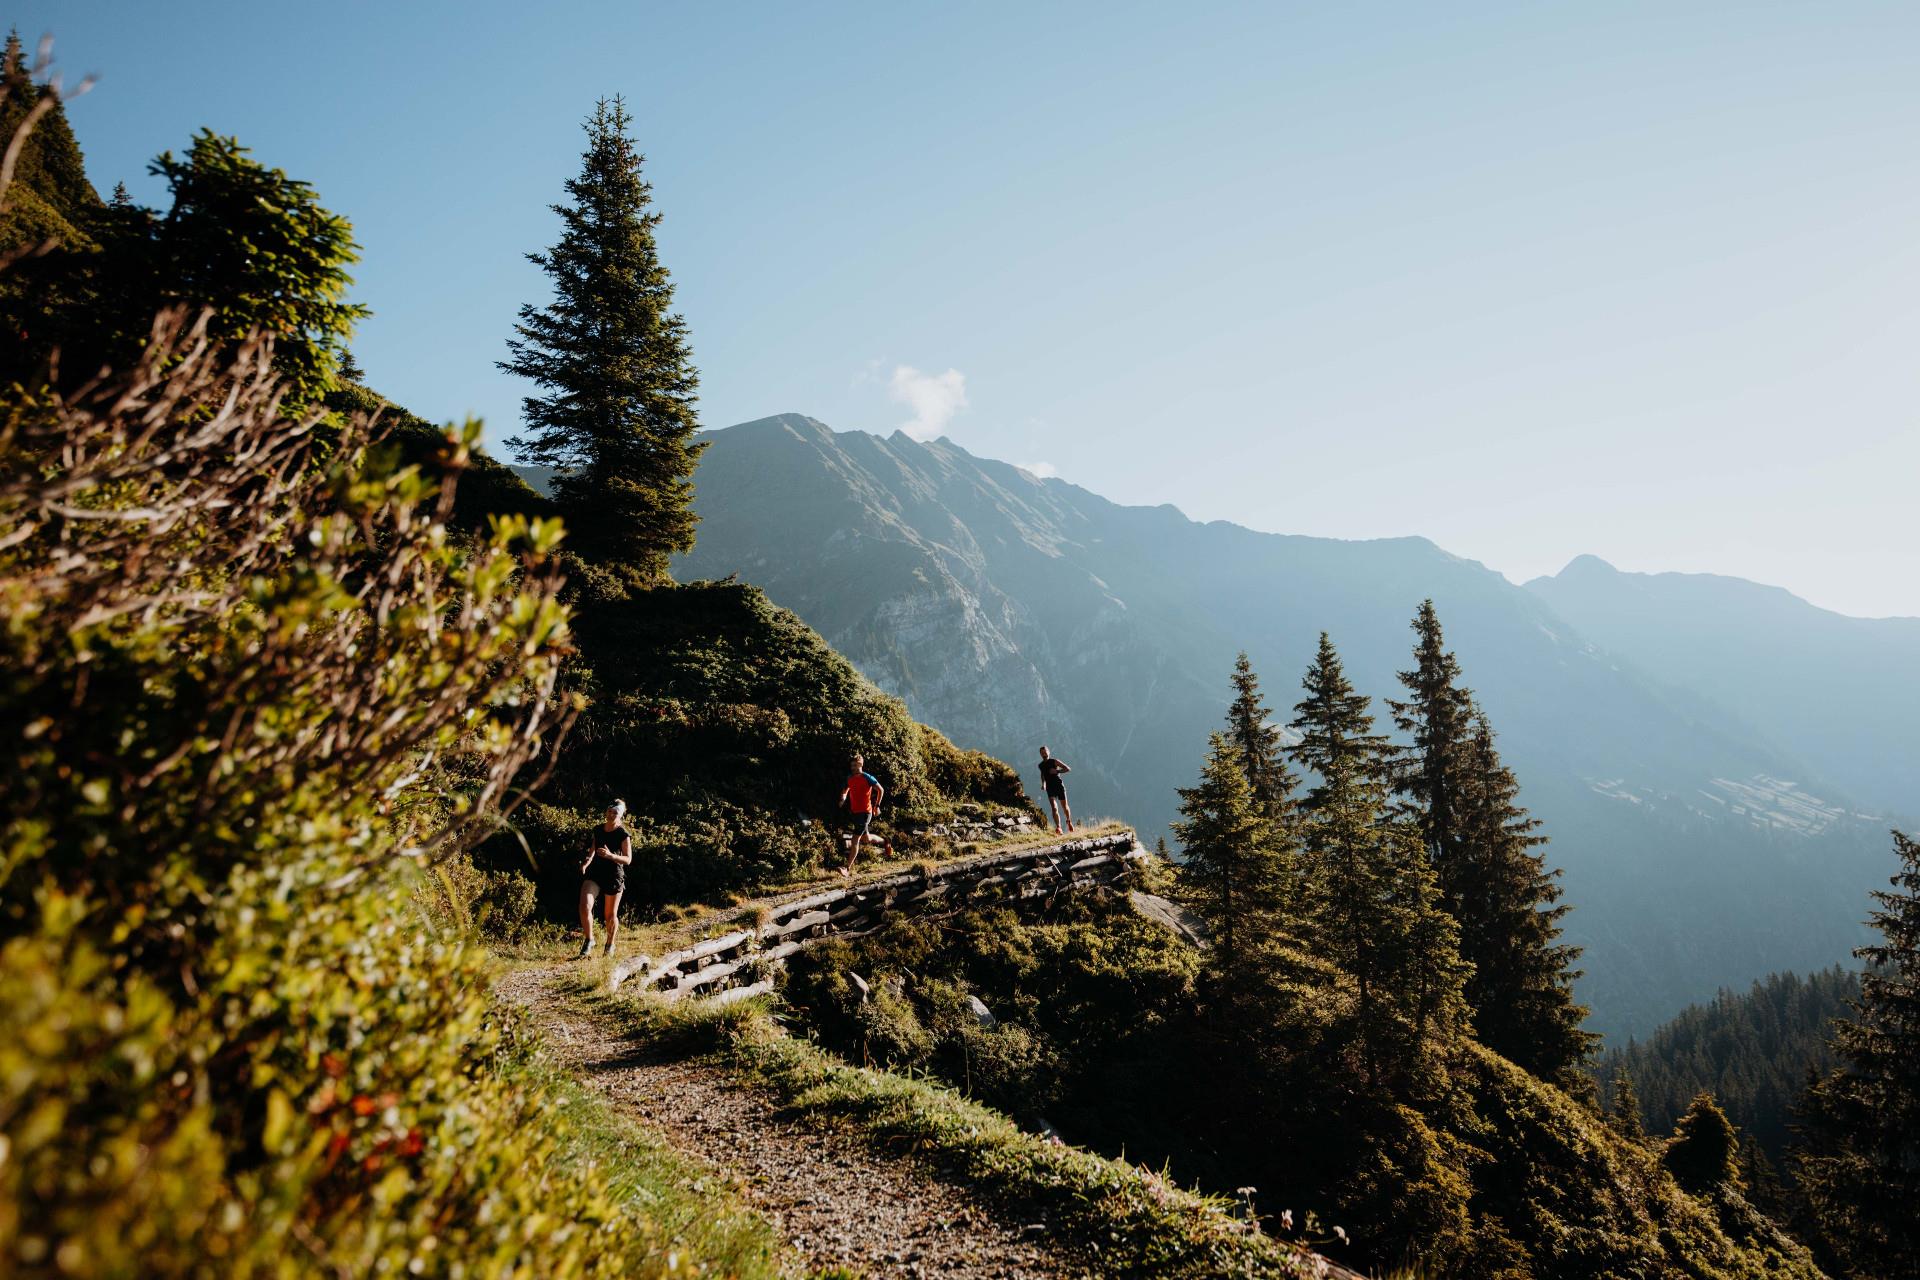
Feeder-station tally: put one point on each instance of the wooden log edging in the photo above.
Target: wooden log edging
(741, 962)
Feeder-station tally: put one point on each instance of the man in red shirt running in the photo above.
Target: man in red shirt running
(862, 796)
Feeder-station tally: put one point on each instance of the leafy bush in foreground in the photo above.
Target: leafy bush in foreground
(248, 697)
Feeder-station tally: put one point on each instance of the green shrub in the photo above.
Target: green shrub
(504, 907)
(726, 723)
(971, 775)
(256, 700)
(890, 1030)
(1704, 1152)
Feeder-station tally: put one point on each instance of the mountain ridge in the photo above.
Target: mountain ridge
(1834, 690)
(1013, 610)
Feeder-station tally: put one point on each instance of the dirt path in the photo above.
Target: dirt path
(834, 1201)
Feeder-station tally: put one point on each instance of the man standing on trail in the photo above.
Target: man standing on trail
(862, 796)
(604, 873)
(1053, 778)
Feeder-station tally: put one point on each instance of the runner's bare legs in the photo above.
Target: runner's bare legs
(612, 901)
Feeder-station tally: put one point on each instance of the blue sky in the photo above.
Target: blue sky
(1641, 281)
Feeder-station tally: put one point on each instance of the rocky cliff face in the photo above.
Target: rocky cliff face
(1013, 612)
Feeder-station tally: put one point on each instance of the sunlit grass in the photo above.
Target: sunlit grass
(649, 1181)
(1121, 1218)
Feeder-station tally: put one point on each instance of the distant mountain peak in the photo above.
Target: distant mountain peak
(1587, 564)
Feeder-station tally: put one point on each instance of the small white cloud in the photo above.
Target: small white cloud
(933, 397)
(1044, 470)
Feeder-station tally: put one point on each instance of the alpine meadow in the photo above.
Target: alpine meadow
(490, 794)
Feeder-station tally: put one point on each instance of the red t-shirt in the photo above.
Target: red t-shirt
(860, 792)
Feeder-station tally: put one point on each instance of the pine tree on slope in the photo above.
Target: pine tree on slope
(1624, 1116)
(616, 420)
(1507, 901)
(1335, 726)
(1236, 859)
(1379, 916)
(1438, 717)
(1258, 742)
(50, 197)
(1861, 1162)
(1464, 802)
(1704, 1152)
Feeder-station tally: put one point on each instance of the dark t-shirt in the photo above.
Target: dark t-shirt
(608, 874)
(1052, 774)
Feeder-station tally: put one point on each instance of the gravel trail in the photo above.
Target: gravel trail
(834, 1201)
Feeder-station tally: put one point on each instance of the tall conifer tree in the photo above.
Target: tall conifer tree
(1335, 726)
(1437, 717)
(1236, 860)
(1463, 800)
(1624, 1118)
(50, 198)
(1379, 918)
(1704, 1152)
(1861, 1163)
(1258, 742)
(1507, 901)
(616, 415)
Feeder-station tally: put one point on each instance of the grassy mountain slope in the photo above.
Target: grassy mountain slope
(1504, 1175)
(726, 724)
(1014, 611)
(723, 720)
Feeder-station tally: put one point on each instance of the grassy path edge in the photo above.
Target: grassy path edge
(1128, 1221)
(704, 1228)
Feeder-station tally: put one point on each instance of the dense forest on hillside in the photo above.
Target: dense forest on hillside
(1753, 1051)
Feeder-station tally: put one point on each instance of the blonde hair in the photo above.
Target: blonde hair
(618, 808)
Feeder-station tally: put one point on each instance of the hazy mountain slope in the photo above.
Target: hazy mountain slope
(1840, 693)
(1012, 611)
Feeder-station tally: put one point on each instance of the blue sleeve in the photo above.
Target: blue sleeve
(871, 780)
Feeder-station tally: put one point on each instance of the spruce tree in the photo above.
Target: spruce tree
(1258, 742)
(1456, 792)
(1236, 864)
(1335, 725)
(1438, 718)
(1704, 1153)
(51, 198)
(1507, 901)
(615, 417)
(47, 222)
(1624, 1118)
(1860, 1165)
(1379, 915)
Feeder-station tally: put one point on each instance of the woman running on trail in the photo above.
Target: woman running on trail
(862, 796)
(604, 874)
(1053, 777)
